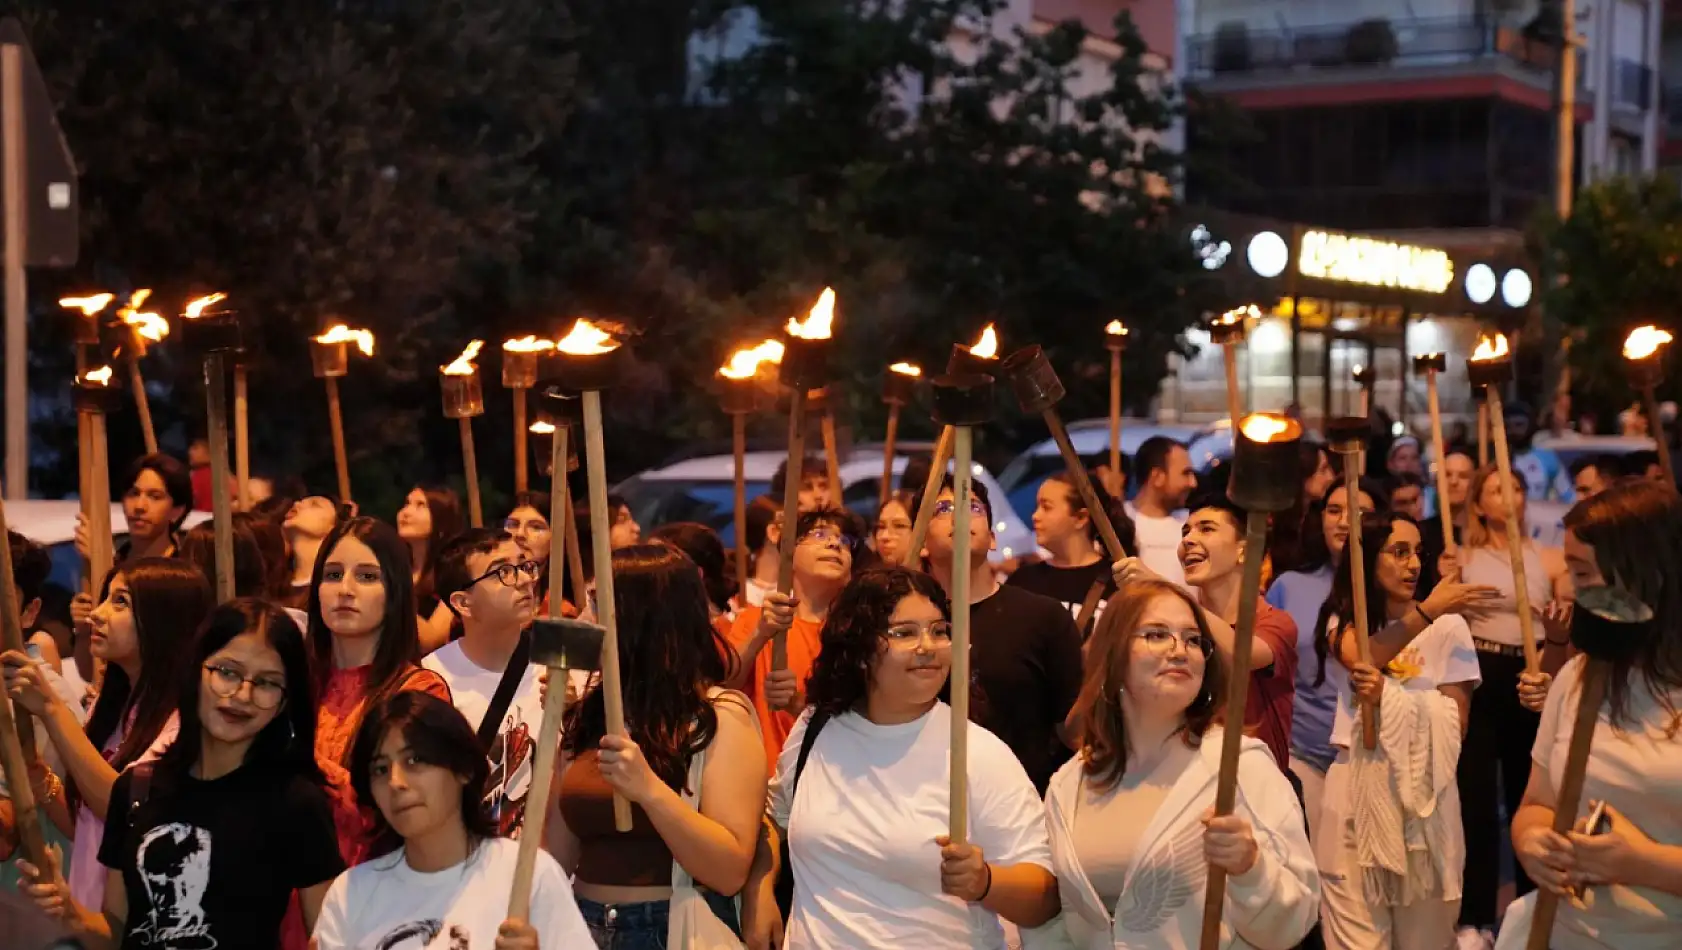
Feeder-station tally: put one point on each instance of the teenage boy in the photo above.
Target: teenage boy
(816, 493)
(1166, 479)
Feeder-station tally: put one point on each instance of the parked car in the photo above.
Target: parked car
(703, 489)
(1022, 477)
(52, 523)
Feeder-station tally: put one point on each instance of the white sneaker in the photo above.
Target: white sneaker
(1471, 938)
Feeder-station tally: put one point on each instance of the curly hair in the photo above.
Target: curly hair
(852, 635)
(1104, 730)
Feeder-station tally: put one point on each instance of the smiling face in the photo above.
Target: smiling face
(1334, 520)
(893, 533)
(414, 519)
(311, 517)
(252, 674)
(1210, 547)
(1398, 562)
(416, 798)
(490, 604)
(116, 633)
(1056, 518)
(149, 509)
(530, 529)
(914, 655)
(352, 590)
(1166, 657)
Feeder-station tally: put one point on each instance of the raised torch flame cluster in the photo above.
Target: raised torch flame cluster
(906, 369)
(149, 325)
(817, 323)
(97, 377)
(988, 346)
(528, 344)
(339, 333)
(1643, 342)
(463, 364)
(745, 362)
(586, 339)
(1492, 347)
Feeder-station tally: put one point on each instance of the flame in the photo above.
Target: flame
(90, 305)
(339, 333)
(818, 321)
(744, 363)
(1115, 328)
(528, 344)
(541, 428)
(988, 346)
(1490, 348)
(906, 369)
(463, 364)
(194, 310)
(586, 339)
(148, 325)
(1264, 427)
(1238, 316)
(1643, 342)
(98, 377)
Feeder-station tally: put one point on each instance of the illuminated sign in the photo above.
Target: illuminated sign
(1357, 260)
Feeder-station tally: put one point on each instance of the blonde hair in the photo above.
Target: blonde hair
(1478, 534)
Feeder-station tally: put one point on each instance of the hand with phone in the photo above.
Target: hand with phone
(1610, 849)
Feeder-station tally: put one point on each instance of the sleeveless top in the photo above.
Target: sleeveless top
(1499, 623)
(606, 857)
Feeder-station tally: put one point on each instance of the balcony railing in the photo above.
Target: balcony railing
(1234, 49)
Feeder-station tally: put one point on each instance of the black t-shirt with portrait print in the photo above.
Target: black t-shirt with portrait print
(1025, 667)
(212, 865)
(1068, 586)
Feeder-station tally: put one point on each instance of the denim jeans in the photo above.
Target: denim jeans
(643, 926)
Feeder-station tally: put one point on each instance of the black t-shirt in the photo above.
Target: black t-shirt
(1025, 664)
(214, 864)
(1068, 585)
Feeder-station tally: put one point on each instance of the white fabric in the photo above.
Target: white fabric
(472, 687)
(385, 903)
(861, 832)
(1404, 801)
(1159, 543)
(690, 922)
(1442, 654)
(1273, 905)
(71, 696)
(1498, 622)
(1638, 771)
(1313, 783)
(754, 594)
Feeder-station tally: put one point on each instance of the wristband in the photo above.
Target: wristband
(1427, 617)
(989, 888)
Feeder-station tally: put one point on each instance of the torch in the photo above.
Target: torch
(898, 386)
(1641, 349)
(552, 439)
(329, 356)
(17, 735)
(822, 401)
(1265, 480)
(214, 337)
(519, 374)
(464, 398)
(1608, 624)
(1348, 438)
(95, 396)
(805, 367)
(1362, 377)
(1115, 340)
(1491, 367)
(1483, 426)
(1432, 364)
(86, 335)
(1038, 391)
(587, 361)
(131, 336)
(739, 394)
(1227, 331)
(980, 359)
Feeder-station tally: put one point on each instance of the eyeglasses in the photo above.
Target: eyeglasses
(225, 681)
(1403, 552)
(910, 634)
(509, 574)
(946, 506)
(1161, 640)
(826, 534)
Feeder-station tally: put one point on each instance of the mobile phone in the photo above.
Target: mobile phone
(34, 651)
(1599, 823)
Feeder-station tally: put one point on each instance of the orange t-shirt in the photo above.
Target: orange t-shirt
(803, 645)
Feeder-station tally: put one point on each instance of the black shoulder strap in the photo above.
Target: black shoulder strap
(505, 687)
(784, 887)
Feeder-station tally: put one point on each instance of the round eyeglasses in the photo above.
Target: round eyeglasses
(225, 681)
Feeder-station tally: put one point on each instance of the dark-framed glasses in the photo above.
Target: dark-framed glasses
(946, 506)
(509, 574)
(225, 681)
(828, 534)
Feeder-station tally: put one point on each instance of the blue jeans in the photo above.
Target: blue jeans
(643, 926)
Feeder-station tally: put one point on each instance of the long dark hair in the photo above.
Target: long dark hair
(702, 545)
(669, 657)
(539, 502)
(1103, 723)
(399, 648)
(251, 569)
(852, 635)
(1376, 528)
(1314, 553)
(1635, 529)
(447, 522)
(170, 600)
(438, 735)
(288, 741)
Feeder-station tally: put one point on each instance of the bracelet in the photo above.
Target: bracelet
(989, 888)
(1427, 617)
(48, 788)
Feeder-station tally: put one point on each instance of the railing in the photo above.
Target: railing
(1235, 49)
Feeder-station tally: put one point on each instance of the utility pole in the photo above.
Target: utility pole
(1556, 343)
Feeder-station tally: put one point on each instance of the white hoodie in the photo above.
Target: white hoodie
(1270, 907)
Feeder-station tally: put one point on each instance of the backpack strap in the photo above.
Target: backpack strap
(512, 674)
(785, 875)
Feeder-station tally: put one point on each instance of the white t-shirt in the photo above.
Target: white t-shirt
(1638, 771)
(1159, 543)
(472, 688)
(386, 905)
(1441, 654)
(861, 834)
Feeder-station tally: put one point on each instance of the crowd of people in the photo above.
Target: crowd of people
(342, 755)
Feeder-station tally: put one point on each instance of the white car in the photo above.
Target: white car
(1022, 477)
(52, 524)
(704, 490)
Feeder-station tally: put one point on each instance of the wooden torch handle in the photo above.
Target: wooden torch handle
(958, 805)
(790, 525)
(1515, 531)
(1595, 675)
(606, 610)
(542, 778)
(221, 504)
(1083, 484)
(1358, 586)
(470, 463)
(931, 495)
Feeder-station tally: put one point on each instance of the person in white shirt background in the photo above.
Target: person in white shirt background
(1370, 904)
(1162, 469)
(486, 580)
(866, 819)
(437, 867)
(1628, 876)
(1133, 831)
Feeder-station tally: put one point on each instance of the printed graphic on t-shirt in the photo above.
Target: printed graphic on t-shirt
(511, 764)
(420, 934)
(1158, 890)
(1407, 664)
(174, 863)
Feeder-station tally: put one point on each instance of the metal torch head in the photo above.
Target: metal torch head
(542, 435)
(738, 396)
(963, 362)
(1033, 379)
(328, 360)
(559, 405)
(519, 368)
(96, 391)
(1347, 434)
(962, 400)
(464, 395)
(1362, 375)
(1491, 363)
(1610, 623)
(560, 643)
(583, 372)
(1645, 372)
(1115, 337)
(805, 364)
(217, 332)
(1430, 363)
(1266, 466)
(898, 389)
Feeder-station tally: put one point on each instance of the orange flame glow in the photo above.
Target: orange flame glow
(1643, 342)
(541, 428)
(988, 346)
(1236, 317)
(90, 305)
(97, 377)
(1115, 328)
(463, 364)
(1266, 427)
(744, 363)
(1492, 347)
(339, 333)
(818, 321)
(528, 344)
(149, 325)
(906, 369)
(194, 310)
(586, 339)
